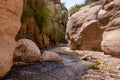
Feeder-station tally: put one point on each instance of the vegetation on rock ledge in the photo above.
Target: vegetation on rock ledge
(43, 21)
(76, 8)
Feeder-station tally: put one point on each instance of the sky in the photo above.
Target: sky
(71, 3)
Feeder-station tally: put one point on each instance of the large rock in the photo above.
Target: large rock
(28, 51)
(7, 46)
(83, 29)
(10, 12)
(110, 43)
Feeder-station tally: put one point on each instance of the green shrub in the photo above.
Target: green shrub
(42, 22)
(75, 8)
(90, 1)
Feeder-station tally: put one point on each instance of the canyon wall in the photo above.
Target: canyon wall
(44, 22)
(95, 27)
(10, 12)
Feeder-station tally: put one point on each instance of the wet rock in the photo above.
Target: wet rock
(51, 56)
(28, 51)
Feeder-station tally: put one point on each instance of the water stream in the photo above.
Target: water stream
(70, 69)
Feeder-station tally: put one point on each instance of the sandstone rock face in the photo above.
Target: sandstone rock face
(7, 47)
(111, 39)
(110, 44)
(51, 56)
(83, 29)
(10, 12)
(28, 51)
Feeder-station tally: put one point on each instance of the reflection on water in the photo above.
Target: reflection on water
(70, 69)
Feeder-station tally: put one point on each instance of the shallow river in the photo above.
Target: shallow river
(70, 69)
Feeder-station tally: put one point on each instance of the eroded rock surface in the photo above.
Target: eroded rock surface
(83, 29)
(10, 12)
(94, 26)
(111, 39)
(28, 51)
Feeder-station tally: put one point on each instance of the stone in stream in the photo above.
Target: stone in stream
(51, 56)
(27, 51)
(70, 69)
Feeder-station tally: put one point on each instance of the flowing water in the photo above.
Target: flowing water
(70, 69)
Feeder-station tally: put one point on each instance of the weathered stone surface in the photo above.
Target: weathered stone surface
(28, 51)
(10, 12)
(83, 29)
(7, 46)
(110, 43)
(51, 56)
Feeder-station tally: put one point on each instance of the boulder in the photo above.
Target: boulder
(83, 29)
(110, 41)
(10, 12)
(51, 56)
(28, 51)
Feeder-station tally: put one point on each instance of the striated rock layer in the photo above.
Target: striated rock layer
(10, 12)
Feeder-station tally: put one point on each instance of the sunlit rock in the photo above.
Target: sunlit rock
(51, 56)
(27, 51)
(10, 12)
